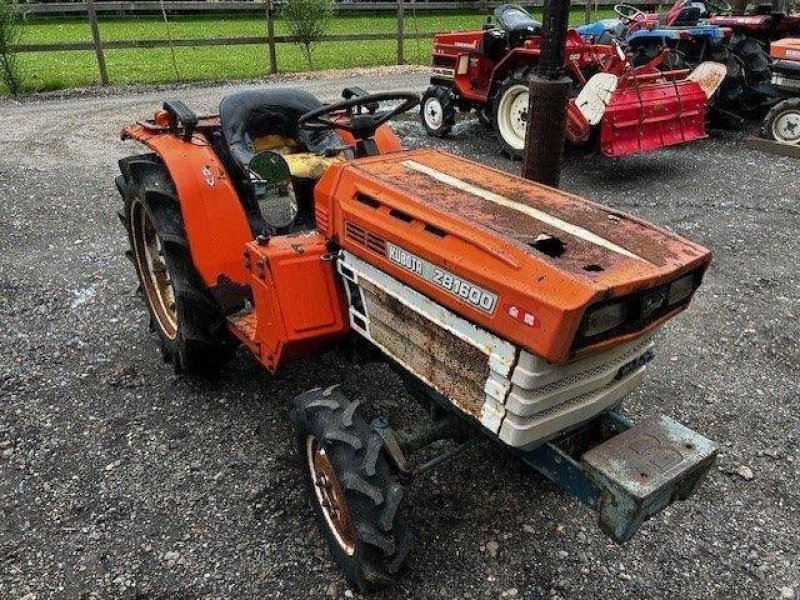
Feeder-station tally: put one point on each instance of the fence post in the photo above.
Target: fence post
(98, 43)
(273, 60)
(400, 32)
(587, 13)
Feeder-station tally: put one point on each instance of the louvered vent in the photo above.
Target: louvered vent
(364, 238)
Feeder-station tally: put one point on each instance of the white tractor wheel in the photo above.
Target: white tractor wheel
(438, 111)
(510, 115)
(783, 122)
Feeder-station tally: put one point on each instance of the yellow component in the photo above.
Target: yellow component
(276, 143)
(309, 165)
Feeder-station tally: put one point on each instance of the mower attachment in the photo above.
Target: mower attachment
(645, 116)
(634, 474)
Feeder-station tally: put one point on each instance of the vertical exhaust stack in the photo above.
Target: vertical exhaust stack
(549, 93)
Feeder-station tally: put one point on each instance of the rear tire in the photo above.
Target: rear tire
(438, 111)
(183, 313)
(510, 111)
(356, 500)
(782, 123)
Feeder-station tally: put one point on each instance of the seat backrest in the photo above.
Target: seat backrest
(251, 114)
(688, 16)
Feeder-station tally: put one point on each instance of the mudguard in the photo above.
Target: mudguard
(216, 224)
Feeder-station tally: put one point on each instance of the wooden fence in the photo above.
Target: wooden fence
(90, 9)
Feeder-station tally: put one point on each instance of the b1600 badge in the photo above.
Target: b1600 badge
(462, 289)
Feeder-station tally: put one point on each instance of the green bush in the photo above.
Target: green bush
(10, 32)
(307, 21)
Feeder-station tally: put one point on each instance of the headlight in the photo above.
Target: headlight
(601, 319)
(681, 289)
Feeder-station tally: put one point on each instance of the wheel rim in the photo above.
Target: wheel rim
(156, 283)
(434, 113)
(512, 116)
(786, 127)
(330, 495)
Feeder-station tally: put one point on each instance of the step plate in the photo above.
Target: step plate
(644, 469)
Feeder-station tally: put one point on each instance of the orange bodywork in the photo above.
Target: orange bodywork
(787, 49)
(215, 221)
(480, 223)
(299, 303)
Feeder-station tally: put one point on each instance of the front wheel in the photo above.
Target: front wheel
(438, 110)
(511, 112)
(782, 123)
(355, 498)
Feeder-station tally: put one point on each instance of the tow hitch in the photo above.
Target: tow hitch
(626, 472)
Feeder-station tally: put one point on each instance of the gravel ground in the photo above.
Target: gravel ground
(120, 480)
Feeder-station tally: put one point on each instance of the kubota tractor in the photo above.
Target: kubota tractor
(617, 107)
(518, 315)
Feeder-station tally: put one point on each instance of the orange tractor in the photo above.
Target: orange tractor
(518, 315)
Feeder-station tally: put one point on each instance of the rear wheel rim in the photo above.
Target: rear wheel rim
(786, 127)
(512, 116)
(330, 496)
(154, 273)
(434, 113)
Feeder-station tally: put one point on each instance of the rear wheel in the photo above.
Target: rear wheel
(355, 497)
(783, 122)
(510, 102)
(183, 313)
(438, 110)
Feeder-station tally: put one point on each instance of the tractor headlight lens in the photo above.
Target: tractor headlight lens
(680, 289)
(603, 318)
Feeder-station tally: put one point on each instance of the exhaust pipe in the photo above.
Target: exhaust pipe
(547, 107)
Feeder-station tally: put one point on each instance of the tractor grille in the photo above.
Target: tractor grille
(369, 240)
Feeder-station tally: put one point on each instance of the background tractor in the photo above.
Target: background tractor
(517, 315)
(686, 31)
(616, 107)
(782, 123)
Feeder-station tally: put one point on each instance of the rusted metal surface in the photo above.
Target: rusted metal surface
(532, 247)
(630, 472)
(642, 470)
(453, 367)
(547, 123)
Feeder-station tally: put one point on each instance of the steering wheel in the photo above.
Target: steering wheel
(629, 14)
(720, 6)
(362, 125)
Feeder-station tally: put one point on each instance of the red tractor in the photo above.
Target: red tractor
(766, 22)
(782, 123)
(519, 316)
(621, 109)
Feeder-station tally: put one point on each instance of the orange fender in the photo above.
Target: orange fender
(215, 221)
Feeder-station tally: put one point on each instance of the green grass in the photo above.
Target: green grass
(58, 70)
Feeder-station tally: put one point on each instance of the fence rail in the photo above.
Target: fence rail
(258, 6)
(89, 9)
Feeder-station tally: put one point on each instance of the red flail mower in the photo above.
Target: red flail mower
(614, 107)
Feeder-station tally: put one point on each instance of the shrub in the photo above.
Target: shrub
(307, 21)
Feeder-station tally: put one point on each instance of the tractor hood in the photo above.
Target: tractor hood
(527, 262)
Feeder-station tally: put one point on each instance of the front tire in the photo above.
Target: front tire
(510, 118)
(356, 500)
(438, 111)
(782, 123)
(183, 313)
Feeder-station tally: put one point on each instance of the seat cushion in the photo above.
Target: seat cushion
(252, 114)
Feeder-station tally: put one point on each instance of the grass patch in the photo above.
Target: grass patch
(58, 70)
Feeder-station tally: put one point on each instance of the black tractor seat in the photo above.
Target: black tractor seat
(253, 115)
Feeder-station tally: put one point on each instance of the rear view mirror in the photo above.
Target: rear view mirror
(271, 181)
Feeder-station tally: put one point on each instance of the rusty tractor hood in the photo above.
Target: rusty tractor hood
(545, 256)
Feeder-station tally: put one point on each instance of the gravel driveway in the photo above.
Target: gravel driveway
(121, 480)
